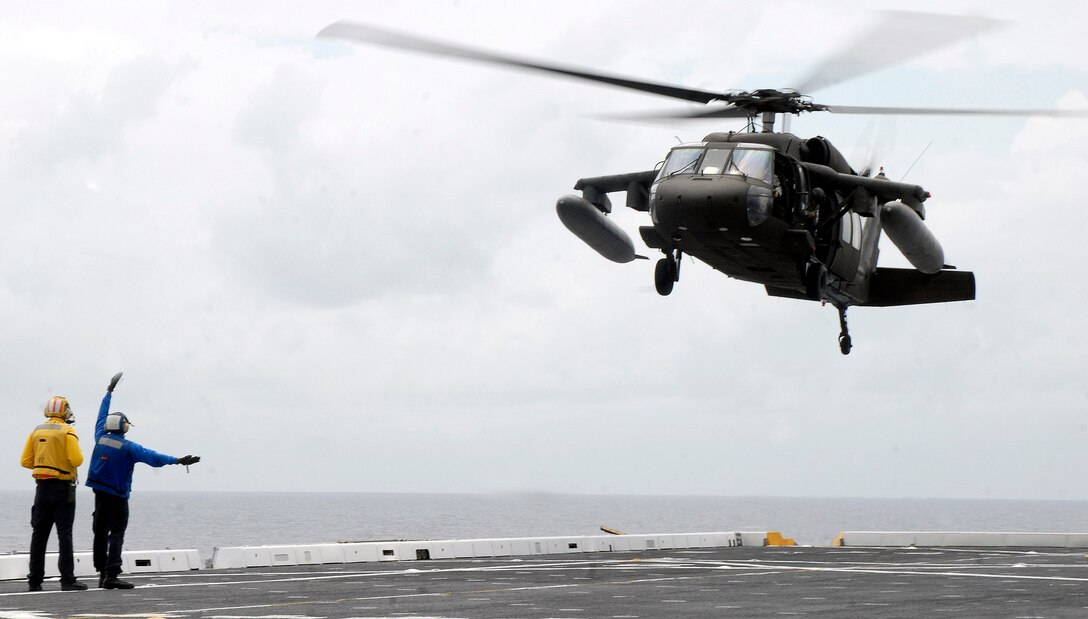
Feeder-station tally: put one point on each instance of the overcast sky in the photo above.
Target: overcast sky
(333, 267)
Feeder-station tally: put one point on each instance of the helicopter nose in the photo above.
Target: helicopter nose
(710, 202)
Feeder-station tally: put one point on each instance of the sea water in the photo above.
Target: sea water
(204, 520)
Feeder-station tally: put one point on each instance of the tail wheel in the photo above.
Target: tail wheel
(665, 276)
(844, 336)
(845, 344)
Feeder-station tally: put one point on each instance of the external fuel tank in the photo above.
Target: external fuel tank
(909, 233)
(595, 229)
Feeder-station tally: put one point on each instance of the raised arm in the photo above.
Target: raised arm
(104, 409)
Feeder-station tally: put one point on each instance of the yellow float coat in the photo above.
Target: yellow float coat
(52, 451)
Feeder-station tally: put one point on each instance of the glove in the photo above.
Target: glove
(113, 381)
(187, 460)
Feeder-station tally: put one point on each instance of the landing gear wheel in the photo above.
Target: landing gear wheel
(844, 336)
(844, 344)
(815, 281)
(665, 276)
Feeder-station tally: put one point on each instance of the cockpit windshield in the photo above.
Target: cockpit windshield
(680, 160)
(755, 163)
(715, 161)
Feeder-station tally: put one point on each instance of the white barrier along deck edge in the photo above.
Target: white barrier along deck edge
(414, 550)
(16, 566)
(964, 539)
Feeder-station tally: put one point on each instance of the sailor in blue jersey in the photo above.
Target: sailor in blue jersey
(110, 477)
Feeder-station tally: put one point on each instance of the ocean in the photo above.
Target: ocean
(204, 520)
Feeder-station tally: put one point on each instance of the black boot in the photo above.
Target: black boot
(101, 579)
(75, 585)
(113, 582)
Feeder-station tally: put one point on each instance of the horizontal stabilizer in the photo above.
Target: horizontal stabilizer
(788, 293)
(909, 287)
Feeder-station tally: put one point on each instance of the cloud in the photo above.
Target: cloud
(89, 125)
(271, 239)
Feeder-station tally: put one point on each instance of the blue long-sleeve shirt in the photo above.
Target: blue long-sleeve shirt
(115, 457)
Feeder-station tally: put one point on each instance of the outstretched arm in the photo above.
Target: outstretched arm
(148, 456)
(156, 459)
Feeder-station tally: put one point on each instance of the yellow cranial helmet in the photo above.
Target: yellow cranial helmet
(57, 406)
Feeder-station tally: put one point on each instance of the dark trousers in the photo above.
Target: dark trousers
(54, 504)
(109, 524)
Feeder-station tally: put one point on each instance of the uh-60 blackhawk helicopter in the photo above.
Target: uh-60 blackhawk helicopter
(766, 207)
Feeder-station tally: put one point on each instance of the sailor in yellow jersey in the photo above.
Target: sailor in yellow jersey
(52, 452)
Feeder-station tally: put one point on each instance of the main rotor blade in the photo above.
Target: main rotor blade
(363, 33)
(896, 37)
(951, 111)
(724, 112)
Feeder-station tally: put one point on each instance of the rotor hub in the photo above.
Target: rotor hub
(773, 101)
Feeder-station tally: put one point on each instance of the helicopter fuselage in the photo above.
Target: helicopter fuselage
(725, 215)
(777, 210)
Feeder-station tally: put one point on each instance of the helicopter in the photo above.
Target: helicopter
(766, 207)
